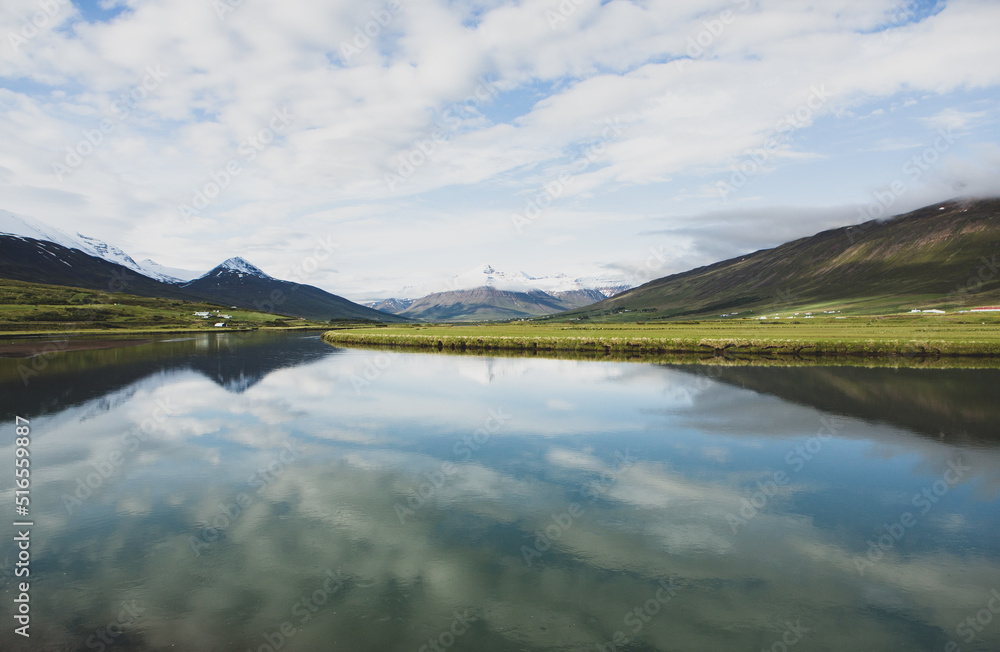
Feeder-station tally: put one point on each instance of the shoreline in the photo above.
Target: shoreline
(124, 332)
(703, 359)
(29, 344)
(25, 349)
(653, 347)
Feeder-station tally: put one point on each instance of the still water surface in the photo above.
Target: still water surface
(271, 492)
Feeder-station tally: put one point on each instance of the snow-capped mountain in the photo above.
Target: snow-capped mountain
(238, 266)
(101, 249)
(237, 281)
(489, 276)
(485, 292)
(26, 227)
(36, 253)
(395, 306)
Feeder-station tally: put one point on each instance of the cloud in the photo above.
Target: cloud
(696, 89)
(954, 119)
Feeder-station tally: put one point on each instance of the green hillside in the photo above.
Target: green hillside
(943, 256)
(36, 307)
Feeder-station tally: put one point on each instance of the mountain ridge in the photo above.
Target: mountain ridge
(34, 252)
(489, 303)
(926, 258)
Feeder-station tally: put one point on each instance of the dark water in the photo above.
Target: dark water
(275, 493)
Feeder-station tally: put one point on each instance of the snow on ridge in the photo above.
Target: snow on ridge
(239, 264)
(490, 276)
(181, 275)
(113, 254)
(26, 227)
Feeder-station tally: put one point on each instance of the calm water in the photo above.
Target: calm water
(276, 493)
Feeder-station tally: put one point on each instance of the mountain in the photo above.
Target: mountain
(238, 282)
(488, 293)
(489, 303)
(44, 261)
(25, 227)
(945, 255)
(930, 403)
(489, 276)
(34, 252)
(395, 306)
(235, 363)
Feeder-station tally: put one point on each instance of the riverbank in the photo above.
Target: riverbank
(30, 344)
(859, 337)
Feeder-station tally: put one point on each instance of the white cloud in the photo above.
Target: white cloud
(559, 81)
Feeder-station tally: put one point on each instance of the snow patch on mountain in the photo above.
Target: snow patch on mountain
(181, 275)
(489, 276)
(522, 282)
(26, 227)
(236, 265)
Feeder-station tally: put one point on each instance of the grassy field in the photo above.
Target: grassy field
(906, 335)
(36, 308)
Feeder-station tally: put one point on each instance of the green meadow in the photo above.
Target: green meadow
(898, 335)
(38, 308)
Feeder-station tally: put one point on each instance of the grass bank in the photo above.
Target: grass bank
(869, 337)
(28, 309)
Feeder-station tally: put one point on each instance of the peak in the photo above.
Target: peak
(238, 264)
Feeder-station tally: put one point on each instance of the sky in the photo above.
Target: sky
(371, 147)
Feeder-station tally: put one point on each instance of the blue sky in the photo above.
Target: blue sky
(429, 137)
